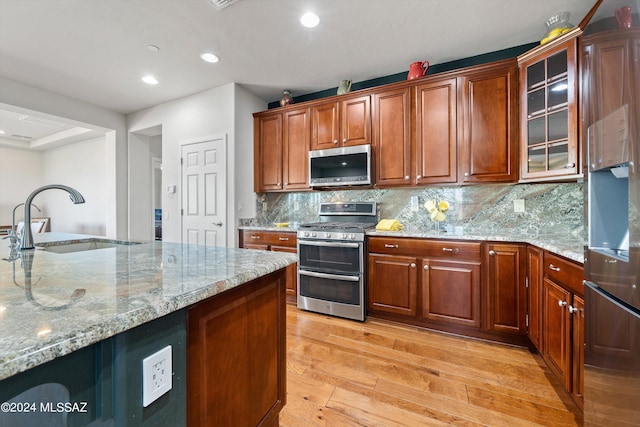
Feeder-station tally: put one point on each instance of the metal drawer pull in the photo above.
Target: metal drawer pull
(412, 265)
(386, 245)
(554, 268)
(255, 237)
(562, 303)
(570, 165)
(283, 238)
(492, 252)
(572, 309)
(456, 250)
(610, 261)
(426, 267)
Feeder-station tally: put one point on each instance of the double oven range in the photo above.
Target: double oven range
(332, 263)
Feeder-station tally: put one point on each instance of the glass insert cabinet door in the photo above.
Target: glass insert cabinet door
(549, 116)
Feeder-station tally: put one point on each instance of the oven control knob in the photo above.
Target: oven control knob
(343, 236)
(305, 234)
(352, 236)
(327, 235)
(313, 234)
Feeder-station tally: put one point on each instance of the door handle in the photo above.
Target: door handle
(219, 224)
(554, 268)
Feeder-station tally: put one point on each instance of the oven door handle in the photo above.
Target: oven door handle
(330, 276)
(331, 244)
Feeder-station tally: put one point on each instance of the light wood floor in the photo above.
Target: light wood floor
(377, 373)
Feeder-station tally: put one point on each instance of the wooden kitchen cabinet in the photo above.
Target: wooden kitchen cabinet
(281, 150)
(391, 137)
(236, 373)
(549, 143)
(563, 322)
(489, 123)
(278, 242)
(446, 292)
(436, 132)
(534, 295)
(339, 123)
(392, 284)
(505, 288)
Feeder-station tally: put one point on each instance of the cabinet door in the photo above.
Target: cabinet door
(451, 292)
(534, 310)
(549, 114)
(577, 311)
(557, 331)
(505, 266)
(292, 272)
(355, 121)
(392, 284)
(436, 132)
(489, 109)
(268, 152)
(325, 126)
(297, 134)
(391, 137)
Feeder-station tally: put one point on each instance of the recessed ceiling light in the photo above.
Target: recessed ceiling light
(2, 132)
(153, 48)
(150, 80)
(209, 57)
(310, 20)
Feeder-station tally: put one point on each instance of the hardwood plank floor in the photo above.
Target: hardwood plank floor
(378, 373)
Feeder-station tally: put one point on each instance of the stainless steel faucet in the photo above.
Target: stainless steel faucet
(26, 241)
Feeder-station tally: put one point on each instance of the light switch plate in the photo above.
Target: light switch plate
(156, 375)
(415, 204)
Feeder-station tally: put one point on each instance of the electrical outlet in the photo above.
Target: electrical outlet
(415, 204)
(518, 205)
(156, 375)
(296, 205)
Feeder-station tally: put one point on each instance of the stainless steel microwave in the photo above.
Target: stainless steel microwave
(340, 166)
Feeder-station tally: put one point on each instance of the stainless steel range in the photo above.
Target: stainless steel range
(331, 266)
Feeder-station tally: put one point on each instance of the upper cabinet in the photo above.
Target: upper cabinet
(548, 112)
(340, 123)
(489, 123)
(281, 150)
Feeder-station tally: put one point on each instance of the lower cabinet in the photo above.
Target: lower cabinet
(236, 374)
(277, 241)
(401, 271)
(506, 291)
(562, 332)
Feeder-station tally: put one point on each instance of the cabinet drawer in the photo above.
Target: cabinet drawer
(286, 239)
(424, 248)
(563, 272)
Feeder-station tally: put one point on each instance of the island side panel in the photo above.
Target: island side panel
(236, 369)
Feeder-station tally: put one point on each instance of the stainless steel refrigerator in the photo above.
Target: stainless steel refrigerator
(610, 75)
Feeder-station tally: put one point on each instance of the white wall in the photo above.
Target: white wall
(24, 96)
(81, 166)
(226, 109)
(20, 174)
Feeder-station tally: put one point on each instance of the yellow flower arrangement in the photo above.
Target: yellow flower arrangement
(437, 209)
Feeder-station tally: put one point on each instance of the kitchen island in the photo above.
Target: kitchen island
(85, 320)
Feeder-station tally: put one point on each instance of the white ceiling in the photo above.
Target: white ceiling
(96, 50)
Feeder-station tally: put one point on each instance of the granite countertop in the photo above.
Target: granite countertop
(70, 301)
(568, 247)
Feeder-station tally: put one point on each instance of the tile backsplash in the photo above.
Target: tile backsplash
(555, 208)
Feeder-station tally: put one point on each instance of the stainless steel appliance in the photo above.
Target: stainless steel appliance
(611, 117)
(340, 166)
(331, 260)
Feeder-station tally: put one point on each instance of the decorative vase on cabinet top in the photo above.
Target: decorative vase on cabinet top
(417, 70)
(344, 87)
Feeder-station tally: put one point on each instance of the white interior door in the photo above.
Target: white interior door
(204, 183)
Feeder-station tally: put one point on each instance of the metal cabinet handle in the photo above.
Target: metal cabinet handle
(570, 165)
(412, 265)
(492, 252)
(466, 174)
(562, 303)
(255, 237)
(386, 245)
(335, 141)
(426, 267)
(406, 177)
(572, 309)
(554, 268)
(419, 177)
(344, 139)
(283, 238)
(456, 250)
(219, 223)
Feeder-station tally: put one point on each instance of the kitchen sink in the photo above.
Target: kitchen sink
(83, 245)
